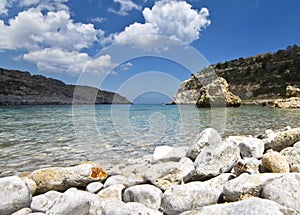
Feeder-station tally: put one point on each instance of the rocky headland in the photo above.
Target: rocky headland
(22, 88)
(238, 175)
(258, 79)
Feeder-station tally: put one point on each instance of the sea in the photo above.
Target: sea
(33, 137)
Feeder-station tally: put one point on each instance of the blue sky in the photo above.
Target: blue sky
(60, 38)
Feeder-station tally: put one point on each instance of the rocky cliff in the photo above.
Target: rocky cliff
(263, 76)
(18, 88)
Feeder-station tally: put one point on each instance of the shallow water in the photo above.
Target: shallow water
(33, 137)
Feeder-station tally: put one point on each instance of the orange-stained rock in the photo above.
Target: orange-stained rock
(62, 178)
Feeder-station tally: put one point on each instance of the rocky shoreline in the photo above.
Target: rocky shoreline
(237, 175)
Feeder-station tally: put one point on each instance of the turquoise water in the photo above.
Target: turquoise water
(33, 137)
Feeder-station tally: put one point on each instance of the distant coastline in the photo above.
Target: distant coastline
(22, 88)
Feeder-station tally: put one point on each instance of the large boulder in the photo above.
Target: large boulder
(145, 194)
(14, 195)
(63, 178)
(216, 94)
(292, 91)
(285, 191)
(215, 160)
(247, 185)
(180, 198)
(72, 202)
(251, 147)
(208, 137)
(43, 202)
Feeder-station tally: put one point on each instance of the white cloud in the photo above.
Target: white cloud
(126, 66)
(98, 19)
(125, 7)
(3, 7)
(32, 30)
(55, 60)
(175, 19)
(45, 4)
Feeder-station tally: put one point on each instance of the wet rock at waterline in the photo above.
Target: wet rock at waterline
(62, 178)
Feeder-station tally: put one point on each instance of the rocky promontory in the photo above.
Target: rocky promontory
(22, 88)
(238, 175)
(260, 77)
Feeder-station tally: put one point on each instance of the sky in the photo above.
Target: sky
(139, 47)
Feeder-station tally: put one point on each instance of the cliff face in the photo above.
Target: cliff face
(18, 88)
(263, 76)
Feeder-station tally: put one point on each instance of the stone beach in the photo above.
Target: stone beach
(237, 175)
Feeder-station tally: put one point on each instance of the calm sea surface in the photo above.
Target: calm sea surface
(33, 137)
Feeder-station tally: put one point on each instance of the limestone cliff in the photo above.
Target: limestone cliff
(19, 88)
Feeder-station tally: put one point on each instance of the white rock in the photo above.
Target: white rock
(247, 185)
(253, 206)
(213, 161)
(285, 139)
(146, 194)
(137, 208)
(131, 208)
(14, 195)
(168, 153)
(163, 175)
(37, 213)
(94, 187)
(43, 202)
(292, 155)
(219, 181)
(129, 180)
(297, 145)
(208, 137)
(251, 147)
(24, 211)
(72, 202)
(247, 165)
(30, 184)
(180, 198)
(112, 207)
(285, 191)
(62, 178)
(113, 192)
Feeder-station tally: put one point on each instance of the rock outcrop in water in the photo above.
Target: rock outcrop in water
(216, 94)
(293, 100)
(263, 76)
(237, 175)
(20, 88)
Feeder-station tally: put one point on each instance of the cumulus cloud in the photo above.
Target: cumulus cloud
(175, 19)
(45, 4)
(55, 60)
(125, 7)
(31, 30)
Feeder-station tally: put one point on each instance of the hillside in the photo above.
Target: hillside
(18, 88)
(263, 76)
